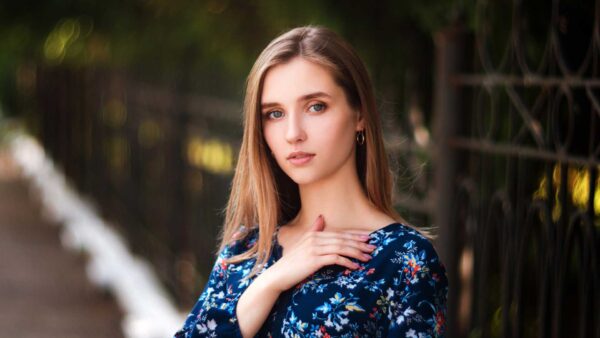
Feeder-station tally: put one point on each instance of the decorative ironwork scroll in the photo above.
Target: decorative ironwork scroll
(518, 145)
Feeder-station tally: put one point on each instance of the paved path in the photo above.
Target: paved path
(44, 291)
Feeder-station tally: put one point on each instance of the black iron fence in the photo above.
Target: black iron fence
(518, 135)
(156, 162)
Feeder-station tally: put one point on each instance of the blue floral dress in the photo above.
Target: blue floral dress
(400, 292)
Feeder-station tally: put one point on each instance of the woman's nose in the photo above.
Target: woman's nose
(295, 131)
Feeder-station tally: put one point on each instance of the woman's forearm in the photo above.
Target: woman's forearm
(256, 303)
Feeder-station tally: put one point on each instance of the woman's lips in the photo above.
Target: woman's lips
(300, 160)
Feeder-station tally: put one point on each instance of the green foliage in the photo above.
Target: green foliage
(210, 45)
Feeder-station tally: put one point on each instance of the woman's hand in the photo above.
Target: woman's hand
(316, 249)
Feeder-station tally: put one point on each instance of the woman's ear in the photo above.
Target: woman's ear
(360, 122)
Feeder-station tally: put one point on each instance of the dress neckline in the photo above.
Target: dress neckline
(384, 228)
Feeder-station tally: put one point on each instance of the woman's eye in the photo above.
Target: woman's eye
(274, 114)
(320, 107)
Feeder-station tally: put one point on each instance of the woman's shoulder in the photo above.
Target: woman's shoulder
(402, 244)
(243, 239)
(400, 234)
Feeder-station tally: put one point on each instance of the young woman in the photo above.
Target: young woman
(311, 245)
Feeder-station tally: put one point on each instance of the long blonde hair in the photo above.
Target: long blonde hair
(262, 195)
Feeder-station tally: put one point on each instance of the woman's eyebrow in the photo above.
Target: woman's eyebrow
(266, 105)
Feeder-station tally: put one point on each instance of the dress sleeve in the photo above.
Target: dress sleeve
(214, 314)
(418, 298)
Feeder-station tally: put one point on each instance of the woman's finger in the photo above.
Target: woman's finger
(341, 234)
(319, 224)
(338, 260)
(345, 242)
(341, 249)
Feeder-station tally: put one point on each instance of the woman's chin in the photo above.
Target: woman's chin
(302, 179)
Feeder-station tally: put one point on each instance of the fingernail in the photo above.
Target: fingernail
(367, 256)
(363, 237)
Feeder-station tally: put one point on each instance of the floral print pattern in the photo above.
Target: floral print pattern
(400, 292)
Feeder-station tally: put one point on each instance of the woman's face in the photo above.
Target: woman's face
(304, 110)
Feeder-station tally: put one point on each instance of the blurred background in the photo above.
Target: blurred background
(490, 113)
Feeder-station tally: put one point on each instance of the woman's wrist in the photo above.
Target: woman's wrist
(270, 280)
(256, 302)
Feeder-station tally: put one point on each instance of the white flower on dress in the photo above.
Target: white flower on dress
(407, 313)
(390, 293)
(212, 325)
(201, 328)
(411, 334)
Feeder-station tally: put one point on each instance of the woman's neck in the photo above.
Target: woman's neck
(341, 201)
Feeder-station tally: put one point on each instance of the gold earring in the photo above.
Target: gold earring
(360, 137)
